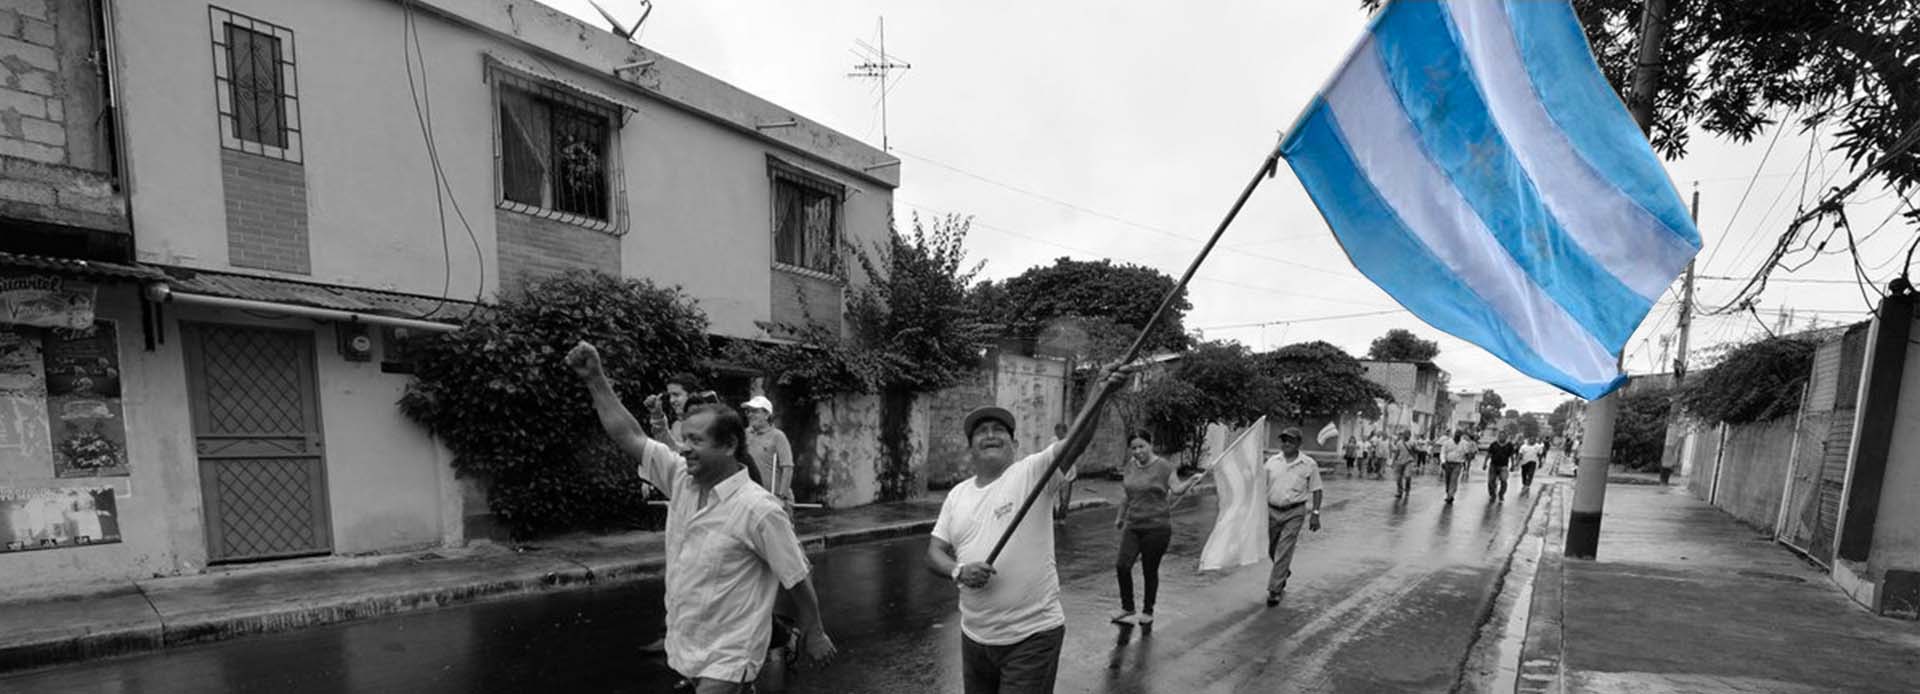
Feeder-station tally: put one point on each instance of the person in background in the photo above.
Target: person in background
(1453, 459)
(1530, 455)
(771, 451)
(1404, 454)
(1145, 522)
(1351, 452)
(1293, 480)
(1500, 456)
(1382, 454)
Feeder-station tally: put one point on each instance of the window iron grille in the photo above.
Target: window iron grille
(256, 86)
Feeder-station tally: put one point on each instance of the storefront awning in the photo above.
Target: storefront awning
(74, 267)
(321, 301)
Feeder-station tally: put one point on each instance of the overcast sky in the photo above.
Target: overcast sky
(1124, 130)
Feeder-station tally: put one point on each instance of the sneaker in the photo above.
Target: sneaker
(1124, 617)
(1273, 599)
(1144, 618)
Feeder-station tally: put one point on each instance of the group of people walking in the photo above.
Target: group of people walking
(738, 583)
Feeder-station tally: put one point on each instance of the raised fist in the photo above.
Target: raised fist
(584, 360)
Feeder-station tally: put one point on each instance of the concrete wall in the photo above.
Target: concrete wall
(1033, 389)
(694, 170)
(1706, 461)
(848, 449)
(1754, 469)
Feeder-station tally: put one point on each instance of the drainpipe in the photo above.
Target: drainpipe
(161, 293)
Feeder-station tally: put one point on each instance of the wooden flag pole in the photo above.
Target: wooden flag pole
(1082, 430)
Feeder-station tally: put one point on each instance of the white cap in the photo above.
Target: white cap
(759, 402)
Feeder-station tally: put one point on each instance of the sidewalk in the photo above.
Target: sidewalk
(143, 615)
(1686, 599)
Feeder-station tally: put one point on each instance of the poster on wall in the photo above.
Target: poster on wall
(46, 301)
(57, 518)
(25, 444)
(83, 402)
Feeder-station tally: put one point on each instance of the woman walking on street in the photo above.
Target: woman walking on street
(1404, 456)
(1145, 522)
(1454, 459)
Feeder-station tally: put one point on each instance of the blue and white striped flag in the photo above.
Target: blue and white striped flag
(1473, 162)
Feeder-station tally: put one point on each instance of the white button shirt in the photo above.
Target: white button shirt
(725, 565)
(1291, 481)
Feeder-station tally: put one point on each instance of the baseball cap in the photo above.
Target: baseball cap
(981, 414)
(759, 402)
(1290, 433)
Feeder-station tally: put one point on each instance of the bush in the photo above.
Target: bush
(499, 396)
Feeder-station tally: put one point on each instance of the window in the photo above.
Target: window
(806, 219)
(256, 88)
(555, 151)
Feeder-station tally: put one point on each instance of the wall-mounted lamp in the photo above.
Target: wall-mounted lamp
(881, 165)
(777, 124)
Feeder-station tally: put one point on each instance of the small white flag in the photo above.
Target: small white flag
(1239, 534)
(1328, 432)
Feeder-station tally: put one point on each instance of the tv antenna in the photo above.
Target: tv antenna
(875, 64)
(620, 30)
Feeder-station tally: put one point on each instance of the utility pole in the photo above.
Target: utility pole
(1590, 486)
(1686, 305)
(879, 66)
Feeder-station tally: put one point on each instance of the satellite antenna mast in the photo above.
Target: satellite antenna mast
(876, 65)
(625, 32)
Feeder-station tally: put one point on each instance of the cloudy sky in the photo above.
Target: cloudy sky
(1124, 130)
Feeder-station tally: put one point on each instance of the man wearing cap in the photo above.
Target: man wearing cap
(1011, 621)
(1293, 479)
(770, 450)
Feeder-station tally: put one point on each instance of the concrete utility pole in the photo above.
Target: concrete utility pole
(1590, 486)
(1686, 304)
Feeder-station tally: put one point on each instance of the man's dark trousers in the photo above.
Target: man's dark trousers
(1027, 667)
(1496, 481)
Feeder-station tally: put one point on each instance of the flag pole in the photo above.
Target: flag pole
(1081, 432)
(1259, 424)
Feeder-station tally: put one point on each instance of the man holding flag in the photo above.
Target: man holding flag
(1011, 623)
(1293, 479)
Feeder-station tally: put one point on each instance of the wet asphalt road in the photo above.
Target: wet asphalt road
(1387, 597)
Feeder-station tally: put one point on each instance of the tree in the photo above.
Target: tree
(1562, 414)
(1490, 407)
(1402, 345)
(1024, 306)
(1729, 67)
(1529, 427)
(1217, 382)
(1640, 427)
(912, 331)
(1316, 379)
(1443, 405)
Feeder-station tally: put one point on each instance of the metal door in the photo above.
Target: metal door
(256, 426)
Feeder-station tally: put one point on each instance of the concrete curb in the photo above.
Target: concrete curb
(1543, 650)
(1481, 668)
(564, 572)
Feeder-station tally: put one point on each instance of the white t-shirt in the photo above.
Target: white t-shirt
(1023, 597)
(1531, 452)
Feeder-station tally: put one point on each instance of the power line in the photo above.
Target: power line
(1102, 254)
(1313, 319)
(1121, 220)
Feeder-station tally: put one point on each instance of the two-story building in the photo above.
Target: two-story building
(221, 220)
(1415, 387)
